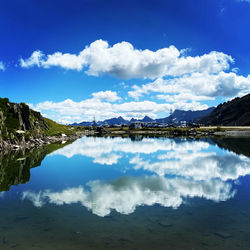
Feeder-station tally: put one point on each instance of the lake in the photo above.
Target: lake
(127, 193)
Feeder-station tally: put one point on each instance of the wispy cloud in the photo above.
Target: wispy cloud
(247, 1)
(2, 66)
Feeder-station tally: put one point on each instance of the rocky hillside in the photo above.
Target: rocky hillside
(238, 145)
(20, 123)
(232, 113)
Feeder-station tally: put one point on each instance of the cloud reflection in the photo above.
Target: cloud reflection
(179, 169)
(187, 158)
(125, 194)
(198, 166)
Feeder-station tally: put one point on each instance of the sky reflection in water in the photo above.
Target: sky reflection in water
(144, 172)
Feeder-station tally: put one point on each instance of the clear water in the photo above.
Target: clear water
(122, 193)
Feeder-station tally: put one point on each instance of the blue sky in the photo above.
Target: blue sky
(73, 60)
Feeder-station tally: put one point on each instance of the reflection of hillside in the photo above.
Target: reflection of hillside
(15, 166)
(236, 145)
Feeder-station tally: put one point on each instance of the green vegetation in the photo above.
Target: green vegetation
(15, 166)
(58, 129)
(19, 122)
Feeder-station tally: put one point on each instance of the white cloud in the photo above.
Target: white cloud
(121, 60)
(213, 62)
(201, 85)
(35, 59)
(126, 193)
(69, 111)
(183, 97)
(124, 61)
(109, 96)
(183, 80)
(2, 66)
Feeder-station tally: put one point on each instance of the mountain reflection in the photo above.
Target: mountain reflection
(172, 170)
(15, 165)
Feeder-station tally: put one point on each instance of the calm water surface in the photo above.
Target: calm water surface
(122, 193)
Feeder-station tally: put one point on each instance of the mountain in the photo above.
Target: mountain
(20, 123)
(119, 121)
(85, 124)
(188, 116)
(147, 119)
(133, 120)
(238, 145)
(178, 115)
(232, 113)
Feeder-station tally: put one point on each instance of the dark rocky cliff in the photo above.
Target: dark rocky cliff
(232, 113)
(18, 121)
(19, 124)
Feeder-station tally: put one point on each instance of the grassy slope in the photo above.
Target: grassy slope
(11, 124)
(58, 129)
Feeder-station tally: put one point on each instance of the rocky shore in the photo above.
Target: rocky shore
(172, 132)
(37, 142)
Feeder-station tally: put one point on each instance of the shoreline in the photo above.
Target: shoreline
(38, 142)
(126, 132)
(186, 131)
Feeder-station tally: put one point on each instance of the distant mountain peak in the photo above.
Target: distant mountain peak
(178, 115)
(147, 119)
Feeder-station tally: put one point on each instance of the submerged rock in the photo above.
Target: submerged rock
(223, 234)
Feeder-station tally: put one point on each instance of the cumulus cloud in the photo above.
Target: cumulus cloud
(100, 107)
(124, 61)
(121, 60)
(125, 194)
(182, 81)
(202, 85)
(183, 97)
(109, 96)
(2, 66)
